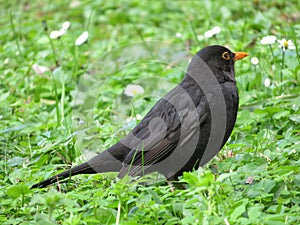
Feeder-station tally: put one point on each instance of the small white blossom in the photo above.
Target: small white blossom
(66, 25)
(58, 33)
(55, 34)
(134, 119)
(208, 34)
(284, 44)
(6, 61)
(39, 69)
(62, 31)
(129, 120)
(214, 31)
(254, 60)
(82, 38)
(268, 40)
(131, 90)
(200, 37)
(178, 35)
(138, 117)
(226, 221)
(267, 82)
(74, 3)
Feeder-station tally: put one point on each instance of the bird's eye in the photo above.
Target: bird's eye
(226, 56)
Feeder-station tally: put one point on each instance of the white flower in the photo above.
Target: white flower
(178, 35)
(129, 120)
(131, 90)
(284, 44)
(267, 82)
(208, 34)
(82, 38)
(39, 69)
(138, 117)
(254, 60)
(135, 118)
(62, 31)
(214, 31)
(66, 25)
(200, 37)
(268, 40)
(74, 3)
(55, 34)
(58, 33)
(6, 61)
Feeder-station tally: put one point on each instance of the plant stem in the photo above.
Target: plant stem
(15, 34)
(216, 39)
(51, 43)
(255, 70)
(56, 100)
(54, 52)
(195, 34)
(282, 65)
(272, 52)
(50, 211)
(297, 50)
(23, 199)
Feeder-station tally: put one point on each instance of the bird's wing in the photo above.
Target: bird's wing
(174, 118)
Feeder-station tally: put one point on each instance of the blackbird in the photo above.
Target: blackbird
(183, 130)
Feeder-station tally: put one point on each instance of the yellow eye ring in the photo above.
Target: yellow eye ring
(226, 56)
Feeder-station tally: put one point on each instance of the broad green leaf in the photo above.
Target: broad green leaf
(17, 190)
(239, 209)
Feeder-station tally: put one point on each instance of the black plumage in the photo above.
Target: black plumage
(183, 130)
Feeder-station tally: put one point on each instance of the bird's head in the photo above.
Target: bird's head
(221, 61)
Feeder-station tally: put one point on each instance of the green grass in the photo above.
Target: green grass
(254, 180)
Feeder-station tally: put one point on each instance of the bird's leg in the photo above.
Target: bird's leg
(175, 184)
(171, 186)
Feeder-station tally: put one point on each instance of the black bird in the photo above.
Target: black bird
(183, 130)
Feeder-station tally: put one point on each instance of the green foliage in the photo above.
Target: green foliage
(47, 123)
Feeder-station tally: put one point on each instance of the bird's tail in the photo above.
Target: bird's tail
(84, 168)
(107, 161)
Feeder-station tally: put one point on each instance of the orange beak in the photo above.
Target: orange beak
(240, 55)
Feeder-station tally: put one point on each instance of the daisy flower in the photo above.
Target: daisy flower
(268, 40)
(66, 25)
(83, 38)
(58, 33)
(178, 35)
(267, 82)
(208, 34)
(132, 90)
(55, 34)
(286, 44)
(254, 61)
(214, 31)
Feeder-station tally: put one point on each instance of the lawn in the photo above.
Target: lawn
(64, 72)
